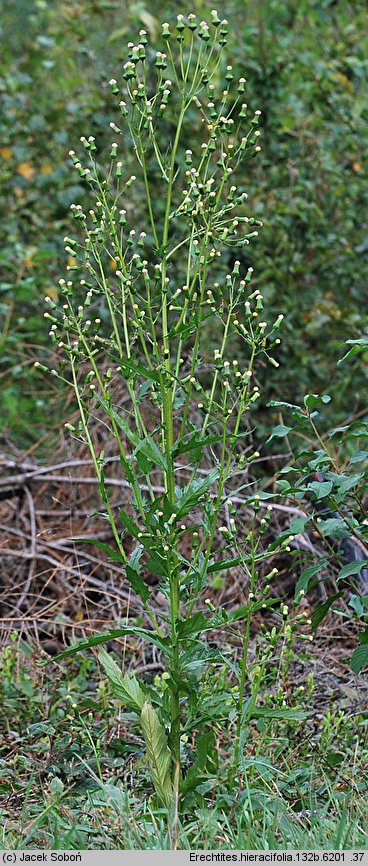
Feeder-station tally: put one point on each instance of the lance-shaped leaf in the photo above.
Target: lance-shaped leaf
(322, 610)
(205, 764)
(113, 555)
(190, 496)
(151, 451)
(125, 686)
(199, 623)
(158, 753)
(133, 573)
(113, 634)
(353, 568)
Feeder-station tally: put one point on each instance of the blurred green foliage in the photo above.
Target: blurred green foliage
(306, 69)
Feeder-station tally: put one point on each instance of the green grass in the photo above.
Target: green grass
(109, 818)
(295, 796)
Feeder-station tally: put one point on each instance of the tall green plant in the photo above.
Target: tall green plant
(132, 327)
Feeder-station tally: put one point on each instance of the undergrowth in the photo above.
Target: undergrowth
(66, 773)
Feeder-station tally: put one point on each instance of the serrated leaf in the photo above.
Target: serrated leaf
(129, 523)
(282, 404)
(278, 713)
(114, 555)
(151, 451)
(199, 623)
(224, 565)
(192, 626)
(126, 687)
(133, 573)
(158, 753)
(359, 658)
(190, 496)
(156, 563)
(192, 442)
(122, 422)
(113, 634)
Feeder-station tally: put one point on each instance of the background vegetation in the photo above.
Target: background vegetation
(306, 68)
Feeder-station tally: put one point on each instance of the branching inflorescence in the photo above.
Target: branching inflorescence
(137, 317)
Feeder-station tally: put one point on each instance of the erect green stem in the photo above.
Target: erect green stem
(168, 436)
(244, 669)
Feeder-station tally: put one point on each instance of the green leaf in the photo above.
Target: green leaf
(352, 568)
(356, 603)
(363, 637)
(113, 634)
(224, 565)
(308, 573)
(205, 764)
(358, 457)
(149, 449)
(359, 658)
(156, 563)
(320, 488)
(298, 525)
(279, 432)
(133, 573)
(278, 713)
(138, 369)
(313, 400)
(188, 497)
(129, 523)
(334, 526)
(199, 623)
(192, 442)
(192, 626)
(281, 404)
(359, 345)
(158, 753)
(120, 421)
(343, 483)
(126, 687)
(334, 759)
(322, 610)
(114, 555)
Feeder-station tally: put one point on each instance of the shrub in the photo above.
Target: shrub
(328, 480)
